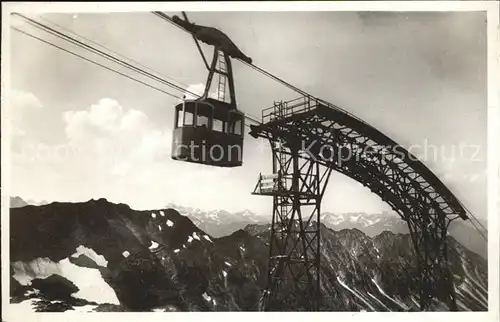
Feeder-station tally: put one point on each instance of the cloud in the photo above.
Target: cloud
(22, 105)
(107, 118)
(21, 101)
(117, 153)
(198, 89)
(110, 151)
(473, 177)
(23, 108)
(377, 58)
(119, 138)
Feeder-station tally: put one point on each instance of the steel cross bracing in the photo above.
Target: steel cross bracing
(297, 186)
(340, 142)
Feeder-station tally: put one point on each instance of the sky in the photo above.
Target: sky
(81, 132)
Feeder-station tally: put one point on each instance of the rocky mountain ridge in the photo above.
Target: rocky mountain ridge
(220, 223)
(100, 256)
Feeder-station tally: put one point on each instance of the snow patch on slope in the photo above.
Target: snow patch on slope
(354, 218)
(207, 297)
(90, 253)
(154, 245)
(379, 301)
(83, 309)
(467, 289)
(89, 281)
(355, 293)
(26, 306)
(400, 304)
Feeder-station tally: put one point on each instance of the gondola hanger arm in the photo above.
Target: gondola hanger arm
(196, 42)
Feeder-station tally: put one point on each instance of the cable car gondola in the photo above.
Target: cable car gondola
(209, 130)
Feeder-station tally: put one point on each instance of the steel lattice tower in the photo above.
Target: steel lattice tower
(361, 152)
(297, 186)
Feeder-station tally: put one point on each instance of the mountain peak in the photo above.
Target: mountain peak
(146, 258)
(17, 202)
(100, 200)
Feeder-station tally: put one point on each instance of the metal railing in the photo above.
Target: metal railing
(267, 184)
(282, 109)
(302, 104)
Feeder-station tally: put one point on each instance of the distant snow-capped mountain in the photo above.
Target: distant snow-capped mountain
(37, 203)
(370, 224)
(100, 256)
(17, 202)
(374, 224)
(219, 222)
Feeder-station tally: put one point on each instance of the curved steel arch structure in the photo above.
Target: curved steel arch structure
(309, 139)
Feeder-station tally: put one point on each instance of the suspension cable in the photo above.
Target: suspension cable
(268, 74)
(483, 231)
(170, 20)
(110, 50)
(165, 17)
(101, 53)
(106, 56)
(475, 222)
(296, 89)
(475, 218)
(115, 59)
(92, 61)
(479, 231)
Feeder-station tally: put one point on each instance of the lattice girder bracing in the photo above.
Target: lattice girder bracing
(336, 140)
(294, 259)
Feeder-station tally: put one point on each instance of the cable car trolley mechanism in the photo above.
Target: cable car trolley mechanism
(209, 130)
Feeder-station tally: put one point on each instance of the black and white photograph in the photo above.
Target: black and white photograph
(217, 158)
